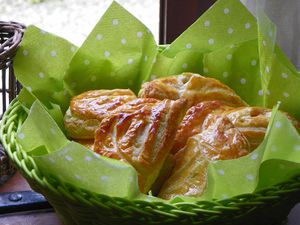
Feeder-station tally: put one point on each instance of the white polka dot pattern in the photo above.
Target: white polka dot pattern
(53, 53)
(207, 23)
(21, 135)
(41, 75)
(221, 172)
(188, 45)
(278, 124)
(123, 41)
(130, 61)
(106, 54)
(115, 22)
(99, 37)
(226, 11)
(250, 177)
(230, 30)
(297, 148)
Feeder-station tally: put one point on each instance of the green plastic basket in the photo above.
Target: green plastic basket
(78, 206)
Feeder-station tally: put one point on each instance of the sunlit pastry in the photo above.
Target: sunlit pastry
(192, 87)
(189, 174)
(88, 109)
(220, 141)
(252, 122)
(171, 133)
(194, 120)
(142, 136)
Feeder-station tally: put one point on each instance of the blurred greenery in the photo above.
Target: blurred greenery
(36, 1)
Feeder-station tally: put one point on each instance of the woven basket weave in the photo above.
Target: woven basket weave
(10, 37)
(76, 206)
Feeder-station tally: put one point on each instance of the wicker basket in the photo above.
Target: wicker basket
(77, 206)
(10, 37)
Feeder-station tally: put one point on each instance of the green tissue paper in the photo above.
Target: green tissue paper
(226, 43)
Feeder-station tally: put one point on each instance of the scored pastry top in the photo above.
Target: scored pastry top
(219, 140)
(97, 104)
(141, 133)
(194, 120)
(192, 87)
(87, 110)
(171, 131)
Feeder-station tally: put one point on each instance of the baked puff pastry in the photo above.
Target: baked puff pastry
(219, 141)
(252, 122)
(194, 120)
(192, 87)
(88, 109)
(142, 134)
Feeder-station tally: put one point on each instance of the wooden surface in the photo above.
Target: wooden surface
(15, 183)
(18, 183)
(32, 218)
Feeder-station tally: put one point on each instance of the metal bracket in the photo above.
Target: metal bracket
(12, 202)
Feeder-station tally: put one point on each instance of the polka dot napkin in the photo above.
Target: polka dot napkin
(226, 43)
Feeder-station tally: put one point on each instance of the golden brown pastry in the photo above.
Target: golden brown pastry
(213, 132)
(164, 174)
(189, 175)
(220, 141)
(192, 87)
(171, 132)
(142, 134)
(194, 119)
(251, 121)
(87, 110)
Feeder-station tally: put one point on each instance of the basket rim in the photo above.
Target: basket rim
(12, 34)
(15, 116)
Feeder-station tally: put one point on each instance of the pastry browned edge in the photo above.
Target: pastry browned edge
(192, 87)
(87, 110)
(142, 135)
(171, 131)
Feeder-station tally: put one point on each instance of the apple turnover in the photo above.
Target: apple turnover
(219, 141)
(250, 121)
(194, 120)
(192, 87)
(141, 134)
(88, 109)
(171, 132)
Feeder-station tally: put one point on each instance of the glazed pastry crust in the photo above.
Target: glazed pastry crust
(88, 109)
(171, 132)
(220, 141)
(97, 104)
(194, 119)
(142, 135)
(80, 128)
(223, 140)
(251, 121)
(189, 176)
(192, 87)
